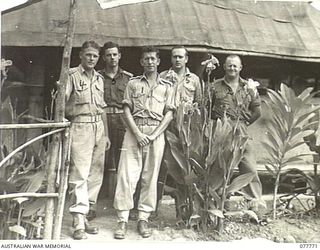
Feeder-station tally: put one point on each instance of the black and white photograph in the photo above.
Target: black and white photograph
(166, 122)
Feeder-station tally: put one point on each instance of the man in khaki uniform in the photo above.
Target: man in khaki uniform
(148, 108)
(115, 82)
(89, 136)
(187, 84)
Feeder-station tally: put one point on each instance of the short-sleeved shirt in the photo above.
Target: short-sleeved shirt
(236, 105)
(114, 87)
(146, 101)
(188, 89)
(86, 93)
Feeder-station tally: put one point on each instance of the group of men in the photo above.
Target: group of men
(112, 111)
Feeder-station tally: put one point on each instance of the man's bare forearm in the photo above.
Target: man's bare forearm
(130, 121)
(162, 126)
(105, 122)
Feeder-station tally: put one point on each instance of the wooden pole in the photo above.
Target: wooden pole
(35, 125)
(31, 195)
(63, 185)
(27, 144)
(59, 115)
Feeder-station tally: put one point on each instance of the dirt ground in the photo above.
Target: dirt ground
(293, 228)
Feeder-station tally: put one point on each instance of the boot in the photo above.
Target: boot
(91, 215)
(121, 230)
(90, 229)
(79, 226)
(79, 234)
(143, 229)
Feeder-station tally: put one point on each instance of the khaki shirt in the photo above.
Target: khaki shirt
(186, 90)
(147, 101)
(114, 87)
(236, 105)
(86, 96)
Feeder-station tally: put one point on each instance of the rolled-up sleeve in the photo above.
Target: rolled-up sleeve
(170, 103)
(69, 87)
(127, 100)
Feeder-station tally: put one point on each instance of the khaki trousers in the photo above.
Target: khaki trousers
(138, 163)
(88, 143)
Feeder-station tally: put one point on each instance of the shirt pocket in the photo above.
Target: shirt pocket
(138, 99)
(245, 99)
(189, 92)
(99, 96)
(82, 94)
(120, 92)
(220, 94)
(158, 97)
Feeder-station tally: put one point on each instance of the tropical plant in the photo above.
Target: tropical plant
(22, 216)
(216, 182)
(313, 142)
(205, 154)
(288, 126)
(311, 186)
(184, 140)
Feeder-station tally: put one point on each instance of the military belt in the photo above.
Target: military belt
(146, 122)
(87, 118)
(113, 110)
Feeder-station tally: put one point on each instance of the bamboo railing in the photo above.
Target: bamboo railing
(55, 196)
(60, 144)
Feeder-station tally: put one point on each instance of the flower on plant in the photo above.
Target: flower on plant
(188, 108)
(210, 63)
(253, 85)
(4, 64)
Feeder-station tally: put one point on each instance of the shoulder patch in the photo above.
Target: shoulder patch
(163, 74)
(73, 70)
(193, 75)
(99, 75)
(166, 81)
(217, 81)
(127, 73)
(136, 77)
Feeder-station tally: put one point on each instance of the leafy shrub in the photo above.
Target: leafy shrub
(289, 124)
(205, 154)
(21, 218)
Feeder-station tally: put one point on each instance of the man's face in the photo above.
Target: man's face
(150, 62)
(232, 67)
(179, 58)
(112, 56)
(89, 58)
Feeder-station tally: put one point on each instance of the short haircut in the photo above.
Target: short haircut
(90, 44)
(109, 45)
(148, 49)
(180, 47)
(233, 57)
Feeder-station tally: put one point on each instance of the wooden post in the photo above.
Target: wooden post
(64, 174)
(59, 115)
